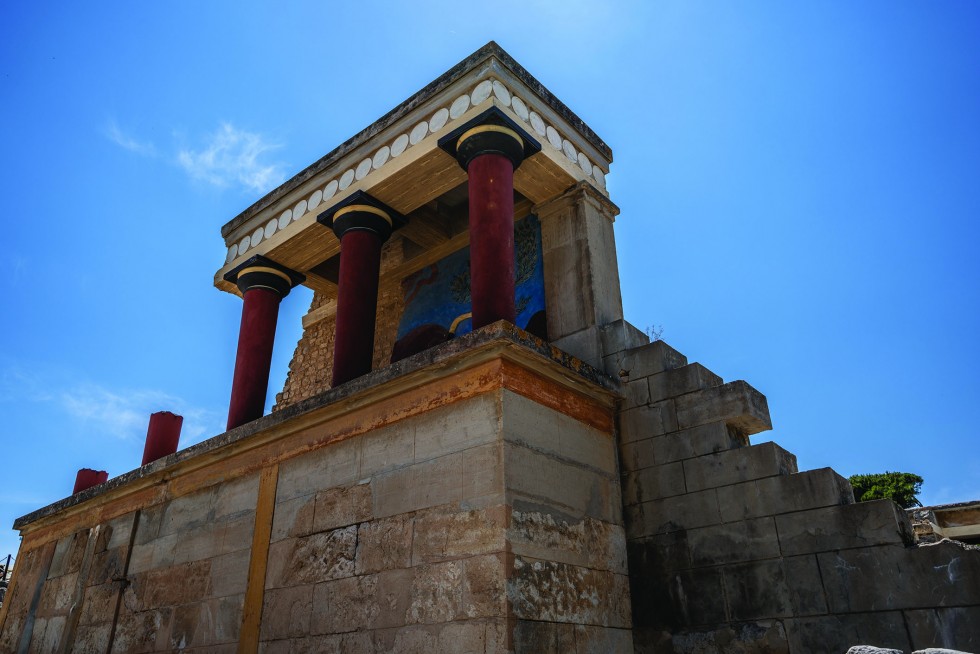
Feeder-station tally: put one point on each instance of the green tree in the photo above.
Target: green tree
(899, 486)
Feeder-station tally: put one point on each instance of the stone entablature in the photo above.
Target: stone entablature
(397, 160)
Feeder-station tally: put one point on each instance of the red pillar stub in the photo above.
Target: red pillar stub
(362, 224)
(263, 284)
(87, 478)
(162, 435)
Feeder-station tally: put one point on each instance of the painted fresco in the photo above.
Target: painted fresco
(440, 294)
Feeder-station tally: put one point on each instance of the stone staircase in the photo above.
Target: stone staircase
(732, 549)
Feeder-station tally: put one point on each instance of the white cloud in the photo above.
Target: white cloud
(125, 414)
(233, 156)
(126, 142)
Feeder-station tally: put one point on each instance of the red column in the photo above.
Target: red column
(162, 435)
(357, 300)
(491, 191)
(490, 153)
(362, 224)
(262, 287)
(86, 478)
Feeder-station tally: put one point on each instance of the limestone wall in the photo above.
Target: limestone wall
(731, 549)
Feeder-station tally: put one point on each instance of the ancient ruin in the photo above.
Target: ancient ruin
(473, 451)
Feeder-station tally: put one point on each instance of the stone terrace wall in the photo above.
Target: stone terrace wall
(732, 550)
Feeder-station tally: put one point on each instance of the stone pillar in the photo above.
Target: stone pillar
(581, 275)
(362, 224)
(162, 435)
(86, 478)
(490, 148)
(263, 284)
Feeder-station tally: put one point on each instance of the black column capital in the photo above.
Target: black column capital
(492, 132)
(261, 272)
(360, 211)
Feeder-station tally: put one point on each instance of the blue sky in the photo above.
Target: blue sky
(798, 185)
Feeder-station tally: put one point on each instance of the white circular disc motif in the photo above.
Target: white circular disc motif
(346, 179)
(299, 209)
(284, 219)
(315, 198)
(257, 236)
(232, 252)
(501, 92)
(380, 157)
(599, 177)
(459, 106)
(270, 228)
(330, 189)
(519, 108)
(244, 243)
(399, 145)
(363, 169)
(418, 132)
(537, 123)
(481, 92)
(584, 163)
(554, 138)
(569, 150)
(438, 119)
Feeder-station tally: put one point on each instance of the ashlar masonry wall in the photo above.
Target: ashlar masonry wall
(732, 549)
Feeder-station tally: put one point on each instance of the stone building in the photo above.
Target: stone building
(473, 451)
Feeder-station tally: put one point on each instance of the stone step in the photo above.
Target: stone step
(679, 445)
(832, 528)
(643, 361)
(736, 403)
(812, 489)
(736, 466)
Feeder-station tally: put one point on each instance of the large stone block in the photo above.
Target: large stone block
(229, 573)
(736, 403)
(891, 577)
(312, 559)
(342, 506)
(952, 628)
(650, 359)
(358, 603)
(645, 422)
(337, 464)
(678, 381)
(552, 536)
(384, 544)
(663, 516)
(697, 441)
(785, 494)
(620, 335)
(734, 542)
(584, 344)
(862, 524)
(420, 486)
(558, 592)
(735, 466)
(653, 483)
(457, 427)
(757, 637)
(442, 535)
(387, 448)
(776, 588)
(293, 517)
(837, 633)
(287, 612)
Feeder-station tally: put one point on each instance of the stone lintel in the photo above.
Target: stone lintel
(495, 357)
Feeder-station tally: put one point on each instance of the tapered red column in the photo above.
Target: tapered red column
(490, 148)
(363, 225)
(86, 478)
(162, 436)
(263, 284)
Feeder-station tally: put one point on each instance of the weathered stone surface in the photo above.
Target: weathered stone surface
(143, 631)
(584, 344)
(735, 403)
(676, 382)
(293, 518)
(602, 640)
(697, 441)
(534, 636)
(87, 638)
(734, 542)
(68, 554)
(337, 464)
(179, 584)
(760, 637)
(580, 490)
(287, 612)
(620, 335)
(99, 604)
(388, 448)
(836, 633)
(785, 494)
(525, 422)
(229, 573)
(688, 511)
(440, 535)
(647, 421)
(654, 483)
(870, 649)
(939, 650)
(342, 506)
(894, 577)
(311, 559)
(735, 466)
(357, 603)
(153, 554)
(649, 359)
(558, 592)
(457, 427)
(420, 486)
(555, 537)
(384, 544)
(956, 628)
(235, 498)
(843, 527)
(775, 588)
